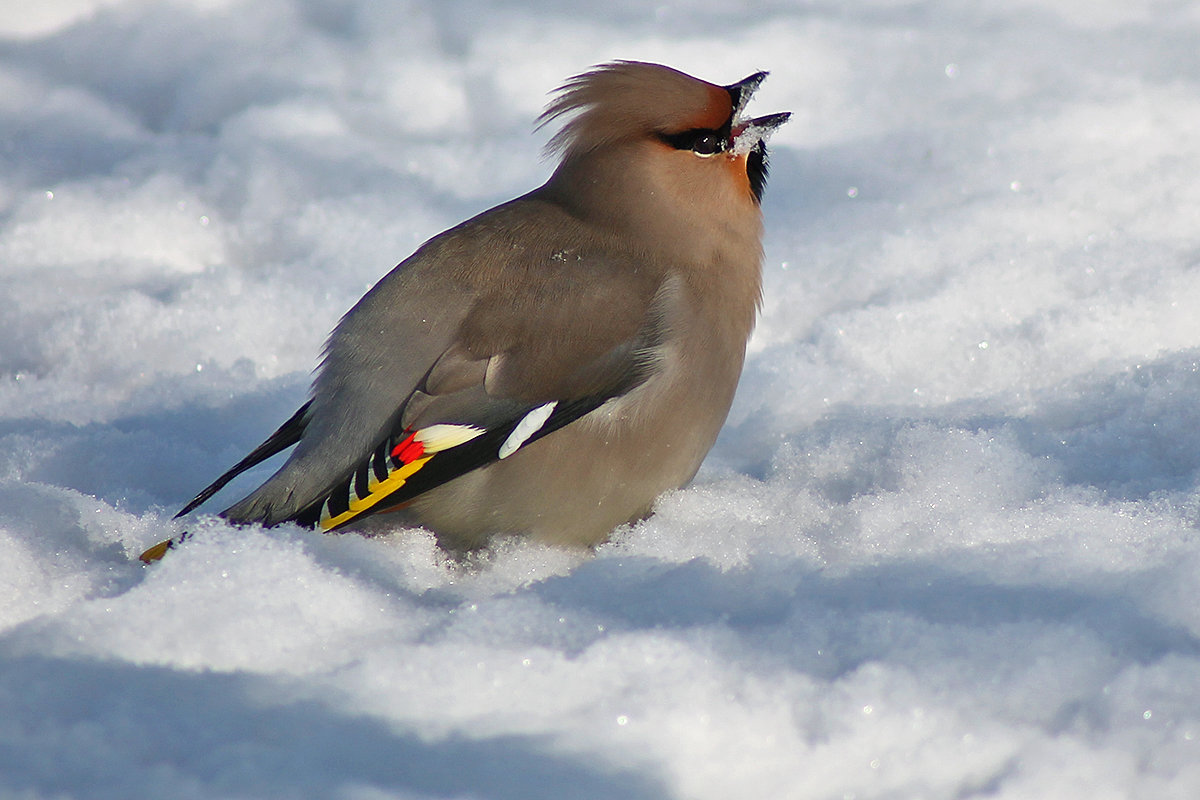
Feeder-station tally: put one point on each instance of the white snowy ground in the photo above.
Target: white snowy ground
(947, 546)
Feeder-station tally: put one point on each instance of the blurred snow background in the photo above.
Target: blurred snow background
(946, 547)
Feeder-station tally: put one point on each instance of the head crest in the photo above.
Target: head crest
(629, 99)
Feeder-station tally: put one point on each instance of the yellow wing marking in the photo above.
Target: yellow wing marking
(378, 491)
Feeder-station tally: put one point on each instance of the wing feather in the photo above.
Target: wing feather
(413, 462)
(287, 435)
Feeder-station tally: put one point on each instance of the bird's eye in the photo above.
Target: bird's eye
(701, 141)
(706, 144)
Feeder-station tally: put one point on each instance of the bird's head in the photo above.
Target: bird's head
(630, 116)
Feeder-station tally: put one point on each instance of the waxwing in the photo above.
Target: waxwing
(551, 366)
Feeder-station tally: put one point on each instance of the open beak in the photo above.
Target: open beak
(745, 135)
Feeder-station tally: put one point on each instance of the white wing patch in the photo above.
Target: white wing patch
(442, 437)
(528, 426)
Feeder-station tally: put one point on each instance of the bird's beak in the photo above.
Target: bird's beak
(749, 134)
(742, 91)
(745, 135)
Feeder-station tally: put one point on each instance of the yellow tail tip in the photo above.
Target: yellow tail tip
(157, 551)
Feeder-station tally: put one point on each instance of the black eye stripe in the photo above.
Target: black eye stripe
(704, 141)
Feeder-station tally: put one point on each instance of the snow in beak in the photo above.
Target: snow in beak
(745, 135)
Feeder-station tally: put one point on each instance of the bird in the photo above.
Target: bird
(552, 366)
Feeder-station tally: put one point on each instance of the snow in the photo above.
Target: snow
(946, 546)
